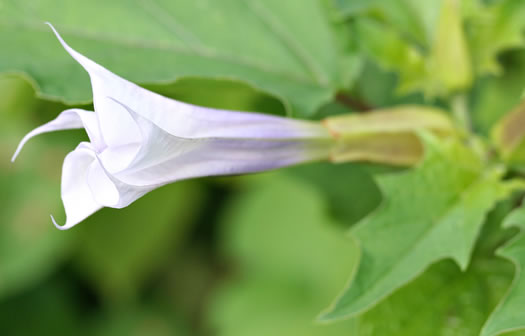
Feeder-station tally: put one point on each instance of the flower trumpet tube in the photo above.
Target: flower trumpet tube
(139, 141)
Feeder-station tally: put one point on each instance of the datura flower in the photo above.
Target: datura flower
(139, 141)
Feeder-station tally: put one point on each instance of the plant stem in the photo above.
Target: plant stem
(460, 110)
(352, 103)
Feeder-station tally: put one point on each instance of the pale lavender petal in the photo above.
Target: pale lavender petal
(177, 118)
(115, 123)
(164, 158)
(68, 119)
(141, 140)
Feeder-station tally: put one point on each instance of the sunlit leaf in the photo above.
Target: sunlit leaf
(430, 213)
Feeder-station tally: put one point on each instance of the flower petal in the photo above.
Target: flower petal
(117, 127)
(76, 194)
(68, 119)
(177, 118)
(165, 158)
(102, 187)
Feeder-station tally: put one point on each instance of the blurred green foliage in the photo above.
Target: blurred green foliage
(262, 254)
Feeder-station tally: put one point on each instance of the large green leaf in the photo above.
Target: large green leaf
(432, 212)
(265, 43)
(510, 313)
(291, 261)
(267, 298)
(460, 302)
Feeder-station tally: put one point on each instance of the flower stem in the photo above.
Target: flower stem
(352, 103)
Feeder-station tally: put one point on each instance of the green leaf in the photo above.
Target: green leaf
(393, 53)
(297, 58)
(221, 94)
(510, 313)
(460, 301)
(290, 262)
(119, 249)
(347, 8)
(434, 51)
(432, 212)
(411, 18)
(450, 59)
(436, 61)
(493, 29)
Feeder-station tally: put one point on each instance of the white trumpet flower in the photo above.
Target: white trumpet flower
(140, 141)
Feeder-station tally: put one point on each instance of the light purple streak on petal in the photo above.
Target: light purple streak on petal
(177, 118)
(164, 158)
(68, 119)
(76, 193)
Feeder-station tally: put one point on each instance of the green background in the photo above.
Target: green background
(263, 254)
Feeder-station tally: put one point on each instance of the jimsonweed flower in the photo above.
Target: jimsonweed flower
(139, 141)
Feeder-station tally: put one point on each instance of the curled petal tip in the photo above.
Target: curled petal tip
(17, 151)
(51, 26)
(64, 44)
(60, 227)
(55, 31)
